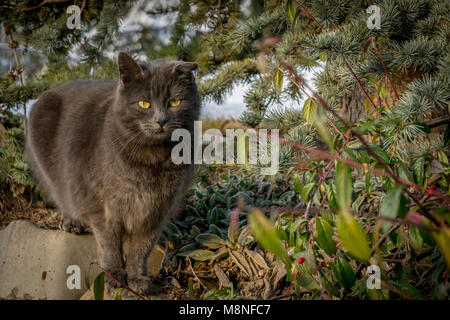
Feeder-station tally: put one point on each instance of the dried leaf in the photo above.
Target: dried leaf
(223, 279)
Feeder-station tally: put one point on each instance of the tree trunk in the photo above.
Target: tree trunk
(352, 106)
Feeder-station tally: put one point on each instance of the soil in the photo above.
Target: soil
(45, 218)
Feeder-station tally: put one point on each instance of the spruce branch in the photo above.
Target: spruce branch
(387, 171)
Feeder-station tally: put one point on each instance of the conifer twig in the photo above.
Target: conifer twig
(391, 175)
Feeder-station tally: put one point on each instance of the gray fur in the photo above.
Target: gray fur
(105, 163)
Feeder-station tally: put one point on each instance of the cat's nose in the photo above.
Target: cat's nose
(161, 122)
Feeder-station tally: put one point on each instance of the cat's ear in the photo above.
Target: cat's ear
(129, 70)
(185, 67)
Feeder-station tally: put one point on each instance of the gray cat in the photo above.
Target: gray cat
(101, 150)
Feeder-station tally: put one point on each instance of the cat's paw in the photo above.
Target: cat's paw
(140, 284)
(72, 226)
(120, 275)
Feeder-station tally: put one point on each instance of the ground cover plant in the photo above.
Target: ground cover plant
(360, 206)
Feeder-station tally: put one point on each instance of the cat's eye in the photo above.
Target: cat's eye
(174, 103)
(144, 104)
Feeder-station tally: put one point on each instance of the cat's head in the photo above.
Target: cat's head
(156, 98)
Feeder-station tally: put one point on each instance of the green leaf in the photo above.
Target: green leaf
(331, 195)
(278, 80)
(394, 205)
(442, 157)
(195, 231)
(172, 230)
(419, 169)
(192, 211)
(213, 216)
(358, 202)
(308, 282)
(380, 153)
(209, 240)
(119, 294)
(344, 273)
(367, 105)
(353, 237)
(407, 289)
(199, 255)
(290, 11)
(297, 183)
(99, 286)
(324, 236)
(344, 186)
(320, 122)
(308, 111)
(216, 230)
(443, 239)
(382, 92)
(359, 155)
(403, 172)
(416, 238)
(306, 190)
(188, 247)
(266, 235)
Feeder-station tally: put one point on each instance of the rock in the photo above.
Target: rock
(34, 262)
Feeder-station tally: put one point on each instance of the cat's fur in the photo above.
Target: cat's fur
(105, 161)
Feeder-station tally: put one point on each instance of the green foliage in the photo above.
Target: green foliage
(337, 218)
(99, 286)
(15, 175)
(336, 246)
(353, 236)
(266, 235)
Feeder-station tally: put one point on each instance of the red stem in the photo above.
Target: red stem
(360, 85)
(422, 209)
(384, 67)
(309, 14)
(122, 283)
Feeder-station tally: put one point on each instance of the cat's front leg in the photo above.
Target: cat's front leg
(141, 245)
(108, 234)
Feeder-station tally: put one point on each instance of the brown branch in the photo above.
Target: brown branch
(43, 3)
(115, 278)
(424, 211)
(13, 45)
(309, 14)
(409, 223)
(395, 290)
(438, 121)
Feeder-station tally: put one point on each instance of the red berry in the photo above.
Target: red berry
(300, 260)
(430, 191)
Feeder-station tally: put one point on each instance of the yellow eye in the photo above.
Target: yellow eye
(144, 104)
(175, 103)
